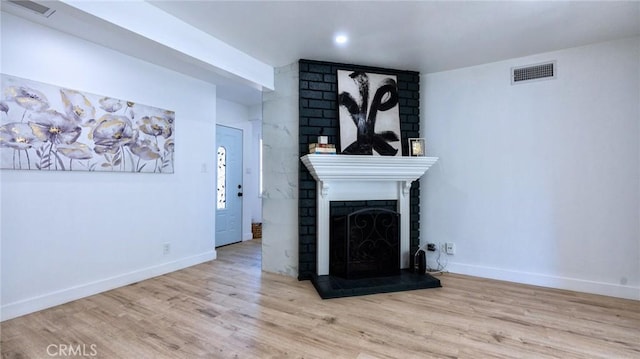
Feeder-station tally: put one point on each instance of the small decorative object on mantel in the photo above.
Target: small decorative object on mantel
(322, 147)
(417, 147)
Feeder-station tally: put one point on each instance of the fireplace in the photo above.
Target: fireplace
(362, 178)
(366, 179)
(365, 244)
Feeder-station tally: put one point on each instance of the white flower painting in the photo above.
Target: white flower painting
(48, 128)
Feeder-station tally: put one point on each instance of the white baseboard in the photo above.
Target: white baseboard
(48, 300)
(578, 285)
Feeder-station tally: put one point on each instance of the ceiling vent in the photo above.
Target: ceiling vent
(34, 7)
(544, 71)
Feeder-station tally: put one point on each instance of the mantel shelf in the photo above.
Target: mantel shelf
(325, 168)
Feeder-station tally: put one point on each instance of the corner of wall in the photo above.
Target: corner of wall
(280, 174)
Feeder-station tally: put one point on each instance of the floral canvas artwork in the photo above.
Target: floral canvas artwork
(48, 128)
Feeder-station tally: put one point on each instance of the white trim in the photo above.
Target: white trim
(48, 300)
(574, 284)
(326, 168)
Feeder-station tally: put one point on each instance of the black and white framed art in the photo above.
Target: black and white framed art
(369, 114)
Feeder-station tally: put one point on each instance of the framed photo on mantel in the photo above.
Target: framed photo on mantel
(417, 147)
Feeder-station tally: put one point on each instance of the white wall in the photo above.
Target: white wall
(238, 116)
(280, 174)
(68, 235)
(539, 182)
(256, 205)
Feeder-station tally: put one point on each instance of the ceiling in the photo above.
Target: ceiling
(423, 36)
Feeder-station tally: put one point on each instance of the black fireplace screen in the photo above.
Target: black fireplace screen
(365, 243)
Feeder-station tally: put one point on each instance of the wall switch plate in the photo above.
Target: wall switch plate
(166, 248)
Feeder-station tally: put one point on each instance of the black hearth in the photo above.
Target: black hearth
(365, 244)
(329, 286)
(364, 254)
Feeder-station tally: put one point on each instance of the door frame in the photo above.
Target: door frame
(233, 190)
(251, 189)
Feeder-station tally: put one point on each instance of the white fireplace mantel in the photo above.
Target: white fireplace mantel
(357, 178)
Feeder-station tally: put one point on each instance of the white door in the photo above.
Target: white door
(229, 186)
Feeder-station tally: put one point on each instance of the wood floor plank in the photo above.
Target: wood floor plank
(228, 308)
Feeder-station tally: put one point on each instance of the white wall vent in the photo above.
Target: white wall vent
(544, 71)
(34, 7)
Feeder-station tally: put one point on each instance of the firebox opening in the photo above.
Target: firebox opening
(365, 243)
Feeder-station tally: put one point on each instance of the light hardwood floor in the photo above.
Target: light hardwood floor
(229, 309)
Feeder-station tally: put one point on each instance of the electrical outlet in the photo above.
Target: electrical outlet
(166, 248)
(450, 248)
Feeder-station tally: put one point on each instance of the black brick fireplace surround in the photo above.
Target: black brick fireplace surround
(318, 109)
